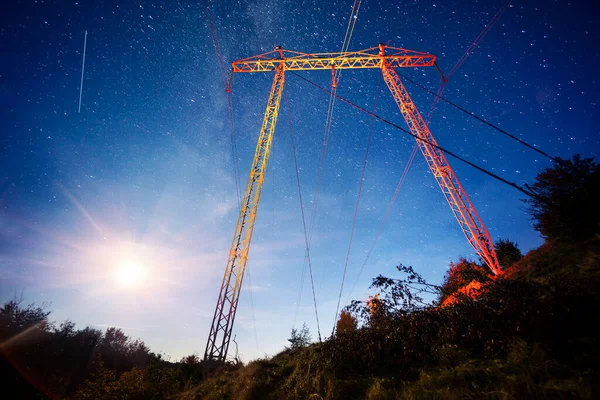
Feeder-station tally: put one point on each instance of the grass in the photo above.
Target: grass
(521, 368)
(559, 261)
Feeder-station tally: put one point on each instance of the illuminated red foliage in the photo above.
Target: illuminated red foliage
(464, 278)
(472, 290)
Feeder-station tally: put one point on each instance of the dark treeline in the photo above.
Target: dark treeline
(40, 359)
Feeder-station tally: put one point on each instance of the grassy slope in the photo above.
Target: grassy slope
(522, 371)
(564, 261)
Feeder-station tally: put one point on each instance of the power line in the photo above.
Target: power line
(440, 91)
(233, 140)
(249, 288)
(360, 186)
(303, 224)
(479, 38)
(512, 184)
(463, 58)
(214, 37)
(388, 211)
(330, 108)
(328, 122)
(524, 143)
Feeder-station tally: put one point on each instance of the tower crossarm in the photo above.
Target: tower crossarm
(368, 58)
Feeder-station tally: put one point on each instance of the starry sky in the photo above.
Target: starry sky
(145, 171)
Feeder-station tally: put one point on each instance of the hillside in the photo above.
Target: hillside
(529, 335)
(551, 261)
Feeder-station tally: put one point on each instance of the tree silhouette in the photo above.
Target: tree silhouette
(567, 209)
(192, 359)
(395, 297)
(508, 252)
(347, 324)
(300, 338)
(16, 318)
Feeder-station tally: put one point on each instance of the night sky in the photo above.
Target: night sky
(144, 173)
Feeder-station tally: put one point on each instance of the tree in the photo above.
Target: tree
(192, 359)
(16, 318)
(566, 209)
(65, 330)
(300, 338)
(460, 275)
(120, 353)
(115, 340)
(347, 324)
(508, 252)
(99, 384)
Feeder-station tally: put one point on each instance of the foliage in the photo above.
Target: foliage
(157, 381)
(461, 274)
(507, 252)
(42, 360)
(397, 296)
(191, 359)
(346, 324)
(519, 339)
(15, 318)
(559, 261)
(566, 209)
(556, 319)
(299, 338)
(523, 374)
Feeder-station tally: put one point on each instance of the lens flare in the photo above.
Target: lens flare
(130, 273)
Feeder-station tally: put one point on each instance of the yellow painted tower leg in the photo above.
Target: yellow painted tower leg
(229, 295)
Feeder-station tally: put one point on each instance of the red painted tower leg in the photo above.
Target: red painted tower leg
(464, 211)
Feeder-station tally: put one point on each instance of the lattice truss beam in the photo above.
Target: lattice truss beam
(279, 60)
(368, 58)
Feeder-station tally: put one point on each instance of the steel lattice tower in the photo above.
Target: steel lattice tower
(386, 59)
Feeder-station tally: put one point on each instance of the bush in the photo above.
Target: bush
(557, 319)
(460, 275)
(63, 362)
(507, 252)
(347, 324)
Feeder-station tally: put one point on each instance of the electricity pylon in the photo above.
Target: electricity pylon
(279, 60)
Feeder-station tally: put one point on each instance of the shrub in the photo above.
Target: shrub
(300, 338)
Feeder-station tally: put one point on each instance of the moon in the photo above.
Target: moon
(130, 273)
